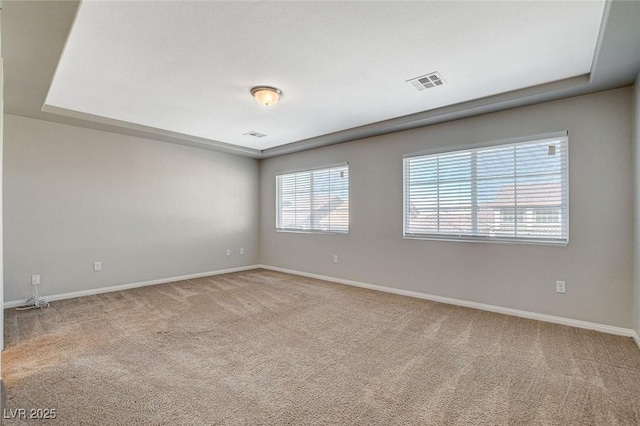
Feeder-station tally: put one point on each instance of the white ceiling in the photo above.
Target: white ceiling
(187, 67)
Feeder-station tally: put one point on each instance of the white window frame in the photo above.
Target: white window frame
(493, 239)
(312, 231)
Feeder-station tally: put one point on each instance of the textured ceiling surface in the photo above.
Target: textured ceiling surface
(187, 67)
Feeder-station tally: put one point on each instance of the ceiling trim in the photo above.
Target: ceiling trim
(168, 135)
(599, 41)
(494, 103)
(508, 100)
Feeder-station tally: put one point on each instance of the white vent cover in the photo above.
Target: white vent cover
(427, 81)
(254, 134)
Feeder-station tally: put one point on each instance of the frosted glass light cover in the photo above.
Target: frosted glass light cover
(266, 96)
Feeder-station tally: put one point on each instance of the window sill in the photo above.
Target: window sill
(488, 240)
(297, 231)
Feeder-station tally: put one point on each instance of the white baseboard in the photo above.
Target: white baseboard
(448, 300)
(482, 306)
(91, 292)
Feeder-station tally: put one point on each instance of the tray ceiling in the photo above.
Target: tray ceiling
(188, 67)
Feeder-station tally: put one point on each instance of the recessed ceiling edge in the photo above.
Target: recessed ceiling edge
(83, 119)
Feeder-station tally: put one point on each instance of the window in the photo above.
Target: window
(313, 200)
(507, 192)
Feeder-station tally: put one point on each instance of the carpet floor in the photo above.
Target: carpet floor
(262, 347)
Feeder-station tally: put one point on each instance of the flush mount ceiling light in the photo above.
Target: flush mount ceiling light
(266, 95)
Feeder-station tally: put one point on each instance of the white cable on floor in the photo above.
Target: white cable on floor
(34, 301)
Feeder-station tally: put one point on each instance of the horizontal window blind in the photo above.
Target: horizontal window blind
(509, 192)
(314, 200)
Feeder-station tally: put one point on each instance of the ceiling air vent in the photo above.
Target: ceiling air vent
(427, 81)
(254, 134)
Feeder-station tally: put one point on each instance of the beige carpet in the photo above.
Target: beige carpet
(262, 347)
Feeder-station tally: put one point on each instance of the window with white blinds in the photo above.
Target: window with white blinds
(509, 192)
(313, 200)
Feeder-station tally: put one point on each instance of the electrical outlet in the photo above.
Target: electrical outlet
(241, 250)
(97, 266)
(335, 258)
(561, 286)
(228, 252)
(35, 279)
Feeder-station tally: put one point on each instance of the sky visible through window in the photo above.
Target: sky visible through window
(496, 168)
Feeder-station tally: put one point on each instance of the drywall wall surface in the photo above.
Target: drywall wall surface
(596, 265)
(147, 210)
(636, 172)
(1, 221)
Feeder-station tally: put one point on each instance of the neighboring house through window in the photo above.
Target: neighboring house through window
(549, 215)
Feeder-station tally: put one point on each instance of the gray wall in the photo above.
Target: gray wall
(636, 171)
(146, 209)
(597, 264)
(1, 220)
